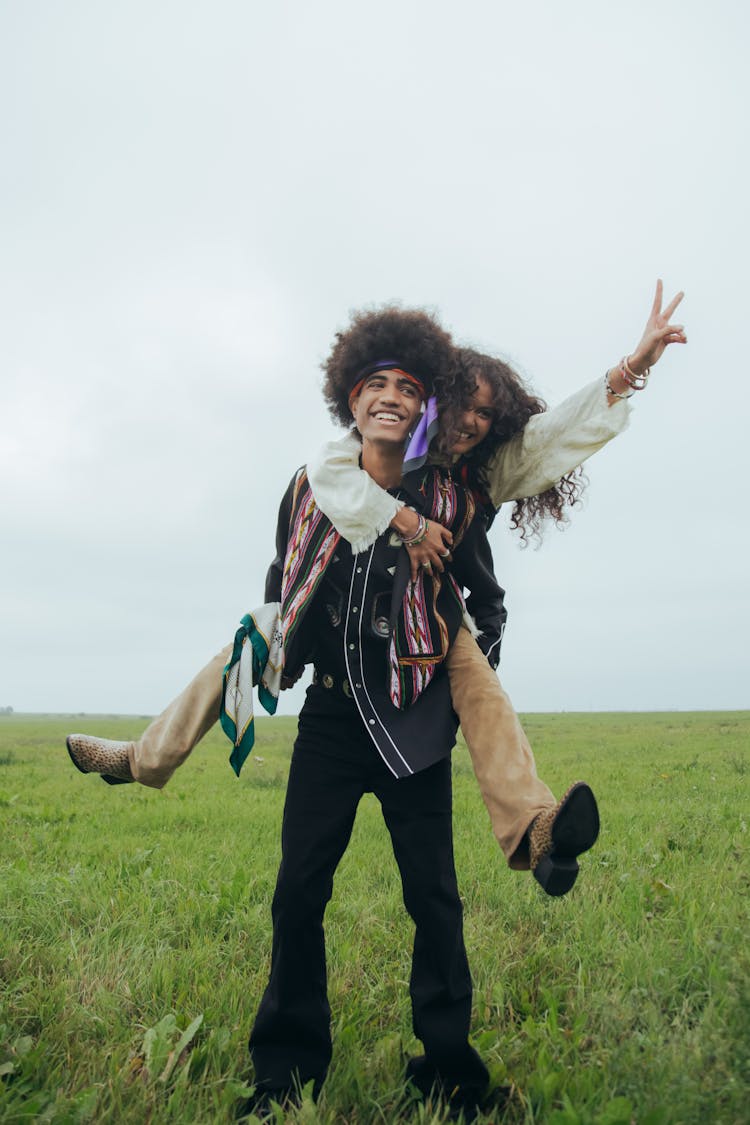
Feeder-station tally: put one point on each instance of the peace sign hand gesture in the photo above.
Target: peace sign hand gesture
(657, 334)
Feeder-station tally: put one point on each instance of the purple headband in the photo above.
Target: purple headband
(385, 365)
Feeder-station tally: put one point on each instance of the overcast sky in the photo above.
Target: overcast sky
(195, 195)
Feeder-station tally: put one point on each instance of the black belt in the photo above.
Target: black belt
(332, 683)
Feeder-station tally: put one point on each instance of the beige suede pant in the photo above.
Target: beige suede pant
(169, 739)
(500, 752)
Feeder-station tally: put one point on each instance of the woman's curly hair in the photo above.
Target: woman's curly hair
(513, 406)
(413, 336)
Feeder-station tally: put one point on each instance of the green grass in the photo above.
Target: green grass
(126, 914)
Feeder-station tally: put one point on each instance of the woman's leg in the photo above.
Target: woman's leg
(530, 827)
(500, 752)
(166, 742)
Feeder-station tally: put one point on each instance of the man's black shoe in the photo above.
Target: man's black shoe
(262, 1103)
(465, 1094)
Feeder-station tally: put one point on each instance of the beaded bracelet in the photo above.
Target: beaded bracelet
(419, 535)
(612, 391)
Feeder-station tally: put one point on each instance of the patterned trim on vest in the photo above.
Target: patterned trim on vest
(419, 639)
(312, 541)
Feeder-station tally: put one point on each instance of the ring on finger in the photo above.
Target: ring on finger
(444, 554)
(427, 566)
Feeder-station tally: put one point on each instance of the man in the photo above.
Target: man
(377, 718)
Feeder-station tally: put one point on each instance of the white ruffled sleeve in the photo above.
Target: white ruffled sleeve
(356, 506)
(554, 443)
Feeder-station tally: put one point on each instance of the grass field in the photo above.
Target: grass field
(135, 935)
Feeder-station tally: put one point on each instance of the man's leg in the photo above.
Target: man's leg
(166, 742)
(291, 1038)
(419, 815)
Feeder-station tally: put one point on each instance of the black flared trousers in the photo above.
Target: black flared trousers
(291, 1038)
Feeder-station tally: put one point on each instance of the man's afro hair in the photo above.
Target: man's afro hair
(412, 336)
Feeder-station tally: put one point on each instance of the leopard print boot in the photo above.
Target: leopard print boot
(558, 835)
(100, 755)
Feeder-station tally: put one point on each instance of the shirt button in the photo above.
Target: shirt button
(359, 570)
(354, 609)
(351, 646)
(372, 722)
(358, 685)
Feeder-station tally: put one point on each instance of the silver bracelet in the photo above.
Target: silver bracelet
(637, 382)
(419, 535)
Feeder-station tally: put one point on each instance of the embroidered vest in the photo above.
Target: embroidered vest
(419, 635)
